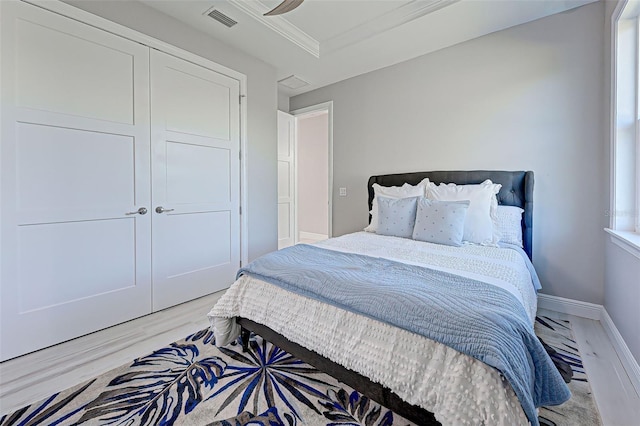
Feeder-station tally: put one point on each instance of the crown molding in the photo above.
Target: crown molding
(256, 9)
(388, 21)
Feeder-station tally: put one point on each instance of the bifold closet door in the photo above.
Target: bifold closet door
(75, 254)
(195, 116)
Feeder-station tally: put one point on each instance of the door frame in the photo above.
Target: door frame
(73, 12)
(328, 107)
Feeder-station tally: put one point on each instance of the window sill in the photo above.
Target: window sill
(629, 241)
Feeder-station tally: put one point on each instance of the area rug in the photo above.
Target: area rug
(191, 382)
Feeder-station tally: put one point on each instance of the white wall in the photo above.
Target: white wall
(262, 105)
(313, 174)
(526, 98)
(622, 270)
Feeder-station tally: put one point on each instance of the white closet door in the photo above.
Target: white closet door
(74, 163)
(286, 180)
(196, 180)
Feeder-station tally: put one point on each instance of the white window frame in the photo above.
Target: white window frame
(636, 227)
(624, 212)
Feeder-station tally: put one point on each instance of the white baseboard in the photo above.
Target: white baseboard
(598, 313)
(626, 357)
(312, 236)
(570, 306)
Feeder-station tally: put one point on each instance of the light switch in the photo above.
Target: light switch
(343, 192)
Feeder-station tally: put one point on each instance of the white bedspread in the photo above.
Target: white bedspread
(457, 388)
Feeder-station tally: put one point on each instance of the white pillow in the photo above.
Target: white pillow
(397, 192)
(479, 225)
(509, 222)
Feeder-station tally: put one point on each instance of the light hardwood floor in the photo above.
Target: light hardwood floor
(615, 396)
(37, 375)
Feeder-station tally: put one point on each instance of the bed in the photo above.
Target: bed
(420, 388)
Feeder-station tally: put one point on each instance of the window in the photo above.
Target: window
(624, 214)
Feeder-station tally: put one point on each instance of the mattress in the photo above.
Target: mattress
(457, 388)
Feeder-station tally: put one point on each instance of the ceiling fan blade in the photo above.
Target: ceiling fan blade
(284, 7)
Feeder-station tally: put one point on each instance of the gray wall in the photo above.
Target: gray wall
(526, 98)
(283, 102)
(622, 270)
(622, 295)
(262, 101)
(313, 174)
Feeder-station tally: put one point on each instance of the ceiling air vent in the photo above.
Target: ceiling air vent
(293, 82)
(220, 17)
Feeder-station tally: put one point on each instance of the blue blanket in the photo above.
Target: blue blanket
(475, 318)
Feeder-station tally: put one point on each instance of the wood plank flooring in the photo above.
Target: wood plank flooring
(615, 396)
(37, 375)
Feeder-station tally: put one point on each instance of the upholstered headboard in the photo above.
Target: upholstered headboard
(517, 190)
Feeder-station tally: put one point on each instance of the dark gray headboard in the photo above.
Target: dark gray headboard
(517, 190)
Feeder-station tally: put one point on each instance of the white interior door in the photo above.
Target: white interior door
(74, 255)
(286, 180)
(196, 180)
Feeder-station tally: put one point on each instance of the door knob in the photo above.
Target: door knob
(140, 211)
(161, 209)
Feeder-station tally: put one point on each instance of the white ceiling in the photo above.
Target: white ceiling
(325, 41)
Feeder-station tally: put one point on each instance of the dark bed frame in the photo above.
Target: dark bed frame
(517, 190)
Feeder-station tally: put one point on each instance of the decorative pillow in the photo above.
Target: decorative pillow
(479, 226)
(396, 217)
(404, 191)
(509, 222)
(440, 222)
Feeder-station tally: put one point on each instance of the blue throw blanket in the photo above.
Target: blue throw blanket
(472, 317)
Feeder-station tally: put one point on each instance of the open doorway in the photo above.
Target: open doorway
(305, 175)
(313, 176)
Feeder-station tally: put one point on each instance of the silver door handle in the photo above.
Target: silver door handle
(141, 211)
(161, 209)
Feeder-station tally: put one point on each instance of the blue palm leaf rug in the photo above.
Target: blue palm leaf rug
(191, 382)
